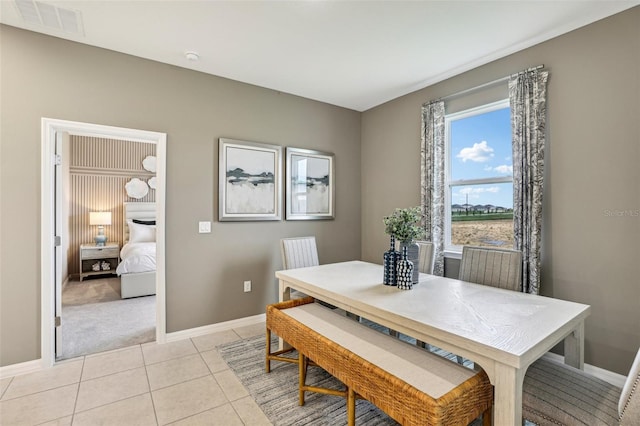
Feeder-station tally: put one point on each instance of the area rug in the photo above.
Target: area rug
(277, 392)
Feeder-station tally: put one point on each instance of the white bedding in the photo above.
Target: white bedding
(137, 257)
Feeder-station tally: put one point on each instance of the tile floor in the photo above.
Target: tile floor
(179, 383)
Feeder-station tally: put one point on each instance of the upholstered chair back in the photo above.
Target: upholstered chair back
(491, 266)
(299, 252)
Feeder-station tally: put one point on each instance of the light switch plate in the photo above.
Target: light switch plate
(204, 227)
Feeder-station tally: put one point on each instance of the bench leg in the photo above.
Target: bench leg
(351, 407)
(302, 377)
(267, 361)
(486, 417)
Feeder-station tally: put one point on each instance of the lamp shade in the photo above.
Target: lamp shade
(99, 218)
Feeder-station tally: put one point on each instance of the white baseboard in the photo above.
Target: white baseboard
(606, 375)
(20, 368)
(215, 328)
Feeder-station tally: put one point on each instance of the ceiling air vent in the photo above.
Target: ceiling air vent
(50, 16)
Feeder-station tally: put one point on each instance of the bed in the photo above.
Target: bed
(137, 268)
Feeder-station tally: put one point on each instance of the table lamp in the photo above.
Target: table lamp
(100, 219)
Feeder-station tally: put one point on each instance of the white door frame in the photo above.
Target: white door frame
(50, 127)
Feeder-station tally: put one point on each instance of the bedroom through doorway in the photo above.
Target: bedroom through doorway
(98, 171)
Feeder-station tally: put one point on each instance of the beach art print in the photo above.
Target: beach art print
(250, 182)
(310, 185)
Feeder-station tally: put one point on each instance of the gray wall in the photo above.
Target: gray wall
(47, 77)
(592, 158)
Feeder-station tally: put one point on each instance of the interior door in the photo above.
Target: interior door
(58, 227)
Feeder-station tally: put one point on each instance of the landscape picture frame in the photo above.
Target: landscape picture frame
(310, 184)
(250, 181)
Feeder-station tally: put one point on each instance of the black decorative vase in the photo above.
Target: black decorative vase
(404, 271)
(390, 259)
(413, 254)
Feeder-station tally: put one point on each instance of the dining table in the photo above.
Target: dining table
(502, 331)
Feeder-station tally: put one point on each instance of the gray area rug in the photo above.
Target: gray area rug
(277, 392)
(95, 319)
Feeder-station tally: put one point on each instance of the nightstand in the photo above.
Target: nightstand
(98, 260)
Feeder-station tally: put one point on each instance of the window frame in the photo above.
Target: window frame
(450, 250)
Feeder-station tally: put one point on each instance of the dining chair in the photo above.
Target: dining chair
(490, 266)
(494, 267)
(299, 252)
(425, 254)
(555, 393)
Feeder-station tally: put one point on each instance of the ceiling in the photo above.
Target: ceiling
(354, 54)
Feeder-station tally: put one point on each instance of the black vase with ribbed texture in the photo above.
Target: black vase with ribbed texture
(390, 259)
(404, 271)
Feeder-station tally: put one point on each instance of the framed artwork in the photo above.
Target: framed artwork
(250, 181)
(309, 185)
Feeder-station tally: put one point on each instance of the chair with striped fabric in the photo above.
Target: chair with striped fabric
(490, 266)
(494, 267)
(299, 252)
(557, 394)
(425, 254)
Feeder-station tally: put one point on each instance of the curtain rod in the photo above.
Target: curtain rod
(482, 86)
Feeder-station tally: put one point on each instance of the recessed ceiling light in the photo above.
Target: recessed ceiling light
(192, 56)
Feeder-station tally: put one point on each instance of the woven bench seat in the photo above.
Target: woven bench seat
(411, 385)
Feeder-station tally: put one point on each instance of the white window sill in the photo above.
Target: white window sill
(453, 254)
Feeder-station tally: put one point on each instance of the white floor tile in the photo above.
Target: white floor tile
(187, 399)
(231, 385)
(250, 412)
(112, 362)
(64, 421)
(4, 384)
(210, 341)
(251, 330)
(50, 378)
(214, 361)
(132, 411)
(154, 352)
(224, 415)
(39, 407)
(176, 371)
(114, 387)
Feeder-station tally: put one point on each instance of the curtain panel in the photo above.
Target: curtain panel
(432, 180)
(527, 96)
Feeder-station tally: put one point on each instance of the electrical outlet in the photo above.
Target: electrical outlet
(247, 286)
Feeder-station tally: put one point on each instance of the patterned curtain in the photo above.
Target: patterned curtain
(527, 95)
(432, 178)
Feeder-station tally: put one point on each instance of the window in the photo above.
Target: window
(479, 178)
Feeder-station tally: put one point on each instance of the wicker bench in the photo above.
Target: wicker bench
(411, 385)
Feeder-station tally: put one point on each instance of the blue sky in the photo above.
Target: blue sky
(481, 148)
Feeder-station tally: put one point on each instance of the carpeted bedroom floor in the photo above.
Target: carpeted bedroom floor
(96, 319)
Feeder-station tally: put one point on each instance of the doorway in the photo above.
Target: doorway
(52, 130)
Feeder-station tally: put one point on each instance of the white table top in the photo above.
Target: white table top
(496, 328)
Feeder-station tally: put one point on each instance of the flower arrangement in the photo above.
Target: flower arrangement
(404, 224)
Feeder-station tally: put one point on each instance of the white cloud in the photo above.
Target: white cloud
(479, 152)
(507, 170)
(475, 192)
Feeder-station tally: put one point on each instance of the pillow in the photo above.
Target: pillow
(144, 222)
(141, 233)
